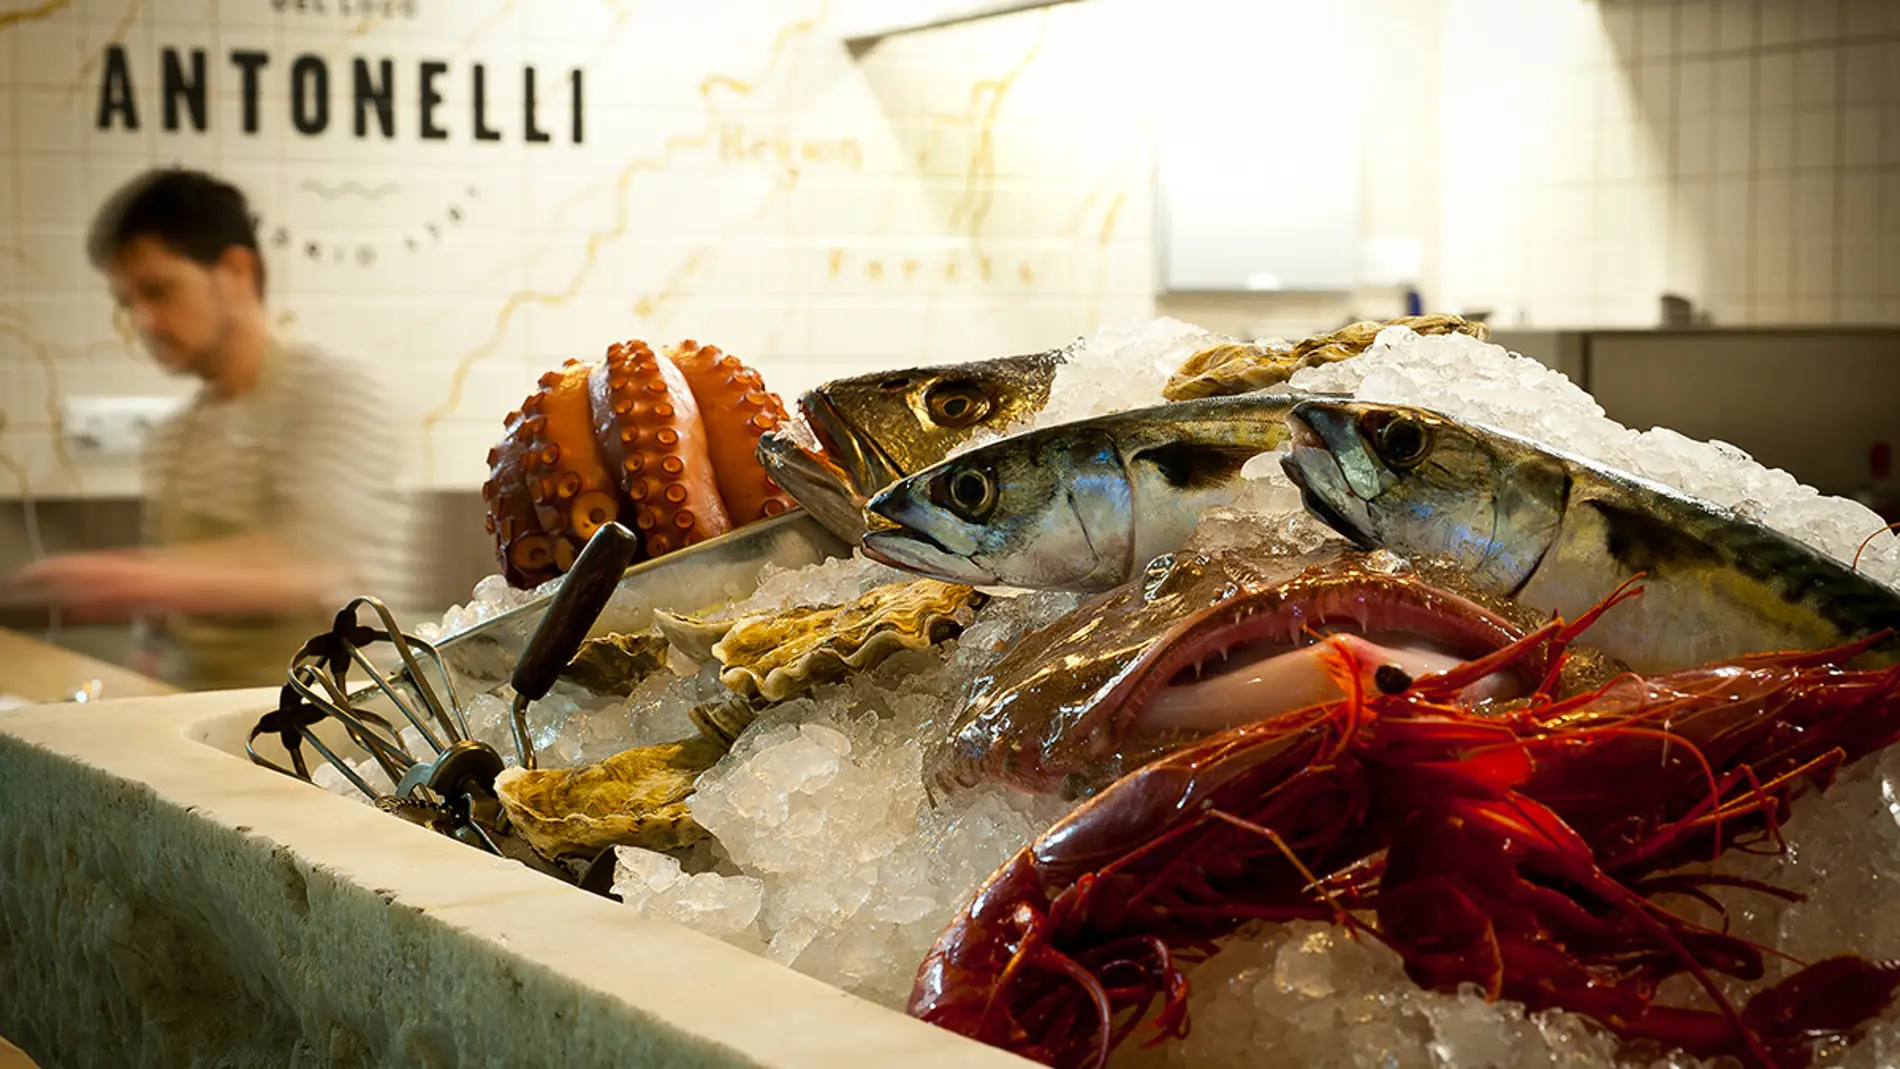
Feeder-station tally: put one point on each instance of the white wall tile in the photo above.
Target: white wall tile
(691, 239)
(1860, 137)
(1656, 31)
(1775, 132)
(1735, 22)
(1695, 87)
(1816, 138)
(1858, 310)
(1820, 20)
(1780, 21)
(1695, 26)
(1816, 77)
(1862, 73)
(1814, 266)
(46, 55)
(1774, 79)
(1773, 210)
(1859, 268)
(1733, 199)
(1734, 144)
(1695, 147)
(1735, 84)
(1860, 205)
(1867, 17)
(1631, 154)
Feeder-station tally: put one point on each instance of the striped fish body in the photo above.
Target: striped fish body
(1559, 532)
(1715, 585)
(1080, 506)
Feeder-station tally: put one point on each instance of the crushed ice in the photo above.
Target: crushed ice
(1485, 383)
(833, 862)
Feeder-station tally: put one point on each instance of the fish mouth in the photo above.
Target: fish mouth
(1247, 659)
(908, 549)
(1315, 471)
(1429, 629)
(819, 486)
(854, 452)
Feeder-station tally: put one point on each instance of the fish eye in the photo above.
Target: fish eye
(893, 385)
(1403, 442)
(957, 404)
(968, 492)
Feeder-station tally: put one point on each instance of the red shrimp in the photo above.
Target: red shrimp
(1521, 852)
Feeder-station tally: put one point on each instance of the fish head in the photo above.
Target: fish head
(1203, 641)
(878, 428)
(1041, 510)
(1420, 483)
(819, 485)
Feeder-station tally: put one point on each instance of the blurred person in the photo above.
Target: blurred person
(269, 494)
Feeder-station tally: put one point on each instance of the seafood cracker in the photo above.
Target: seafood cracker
(1558, 532)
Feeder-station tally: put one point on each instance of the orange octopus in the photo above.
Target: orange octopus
(668, 439)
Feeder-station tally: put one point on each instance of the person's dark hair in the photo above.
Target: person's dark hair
(194, 214)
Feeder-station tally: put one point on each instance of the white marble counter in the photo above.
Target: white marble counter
(169, 902)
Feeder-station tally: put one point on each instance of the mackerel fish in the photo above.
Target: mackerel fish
(874, 429)
(1081, 506)
(1559, 532)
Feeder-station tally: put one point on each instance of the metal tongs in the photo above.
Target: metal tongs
(452, 791)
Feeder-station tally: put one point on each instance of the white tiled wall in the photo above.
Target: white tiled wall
(743, 181)
(1742, 153)
(961, 193)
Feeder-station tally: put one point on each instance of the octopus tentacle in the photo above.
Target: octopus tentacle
(574, 494)
(525, 552)
(651, 434)
(737, 410)
(667, 444)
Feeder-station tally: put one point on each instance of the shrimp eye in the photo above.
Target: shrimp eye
(957, 404)
(968, 492)
(1403, 442)
(1391, 679)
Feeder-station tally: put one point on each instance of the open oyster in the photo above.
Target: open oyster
(635, 798)
(1240, 367)
(615, 663)
(775, 657)
(638, 797)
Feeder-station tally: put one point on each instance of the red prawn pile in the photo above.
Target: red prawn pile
(1529, 854)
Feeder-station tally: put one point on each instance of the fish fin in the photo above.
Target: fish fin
(1190, 466)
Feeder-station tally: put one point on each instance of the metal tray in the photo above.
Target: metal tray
(696, 579)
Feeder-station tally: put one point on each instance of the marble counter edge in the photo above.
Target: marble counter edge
(579, 939)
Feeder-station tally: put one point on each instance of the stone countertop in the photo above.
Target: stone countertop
(170, 902)
(40, 672)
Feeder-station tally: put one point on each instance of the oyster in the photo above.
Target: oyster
(638, 797)
(615, 663)
(775, 657)
(1240, 367)
(635, 798)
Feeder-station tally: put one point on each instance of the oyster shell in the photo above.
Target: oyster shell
(778, 657)
(1240, 367)
(691, 637)
(616, 663)
(726, 718)
(636, 797)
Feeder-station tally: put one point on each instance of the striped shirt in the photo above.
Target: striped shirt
(309, 455)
